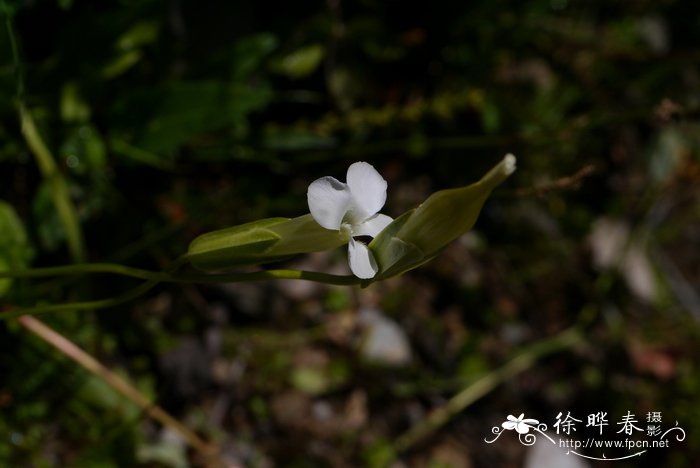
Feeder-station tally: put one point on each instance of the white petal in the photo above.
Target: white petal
(329, 200)
(509, 425)
(522, 428)
(361, 260)
(373, 225)
(368, 189)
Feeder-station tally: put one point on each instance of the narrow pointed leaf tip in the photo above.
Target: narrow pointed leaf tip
(419, 235)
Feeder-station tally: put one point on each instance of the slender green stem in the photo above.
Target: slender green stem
(56, 182)
(67, 214)
(15, 54)
(45, 160)
(86, 268)
(140, 155)
(86, 305)
(169, 277)
(267, 275)
(153, 278)
(438, 418)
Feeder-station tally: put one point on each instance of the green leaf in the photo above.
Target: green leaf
(140, 34)
(84, 150)
(121, 64)
(5, 283)
(300, 63)
(173, 113)
(15, 250)
(186, 109)
(248, 54)
(73, 107)
(49, 227)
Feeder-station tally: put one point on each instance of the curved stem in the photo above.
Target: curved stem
(57, 184)
(170, 277)
(153, 278)
(317, 277)
(52, 176)
(15, 55)
(86, 268)
(86, 305)
(132, 294)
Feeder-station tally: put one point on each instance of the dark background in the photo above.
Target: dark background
(171, 119)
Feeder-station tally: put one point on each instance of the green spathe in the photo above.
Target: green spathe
(262, 241)
(420, 234)
(410, 240)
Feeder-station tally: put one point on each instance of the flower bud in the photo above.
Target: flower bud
(262, 241)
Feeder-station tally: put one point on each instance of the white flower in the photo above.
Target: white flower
(522, 426)
(352, 209)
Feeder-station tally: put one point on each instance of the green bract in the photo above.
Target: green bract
(420, 234)
(263, 241)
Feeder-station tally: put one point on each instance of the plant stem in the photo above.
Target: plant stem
(15, 55)
(325, 278)
(154, 278)
(69, 349)
(86, 305)
(98, 304)
(74, 236)
(439, 417)
(86, 268)
(47, 165)
(56, 183)
(165, 277)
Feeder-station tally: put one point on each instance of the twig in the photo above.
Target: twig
(69, 349)
(572, 182)
(486, 384)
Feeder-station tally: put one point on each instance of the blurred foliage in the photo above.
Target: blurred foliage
(170, 119)
(15, 250)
